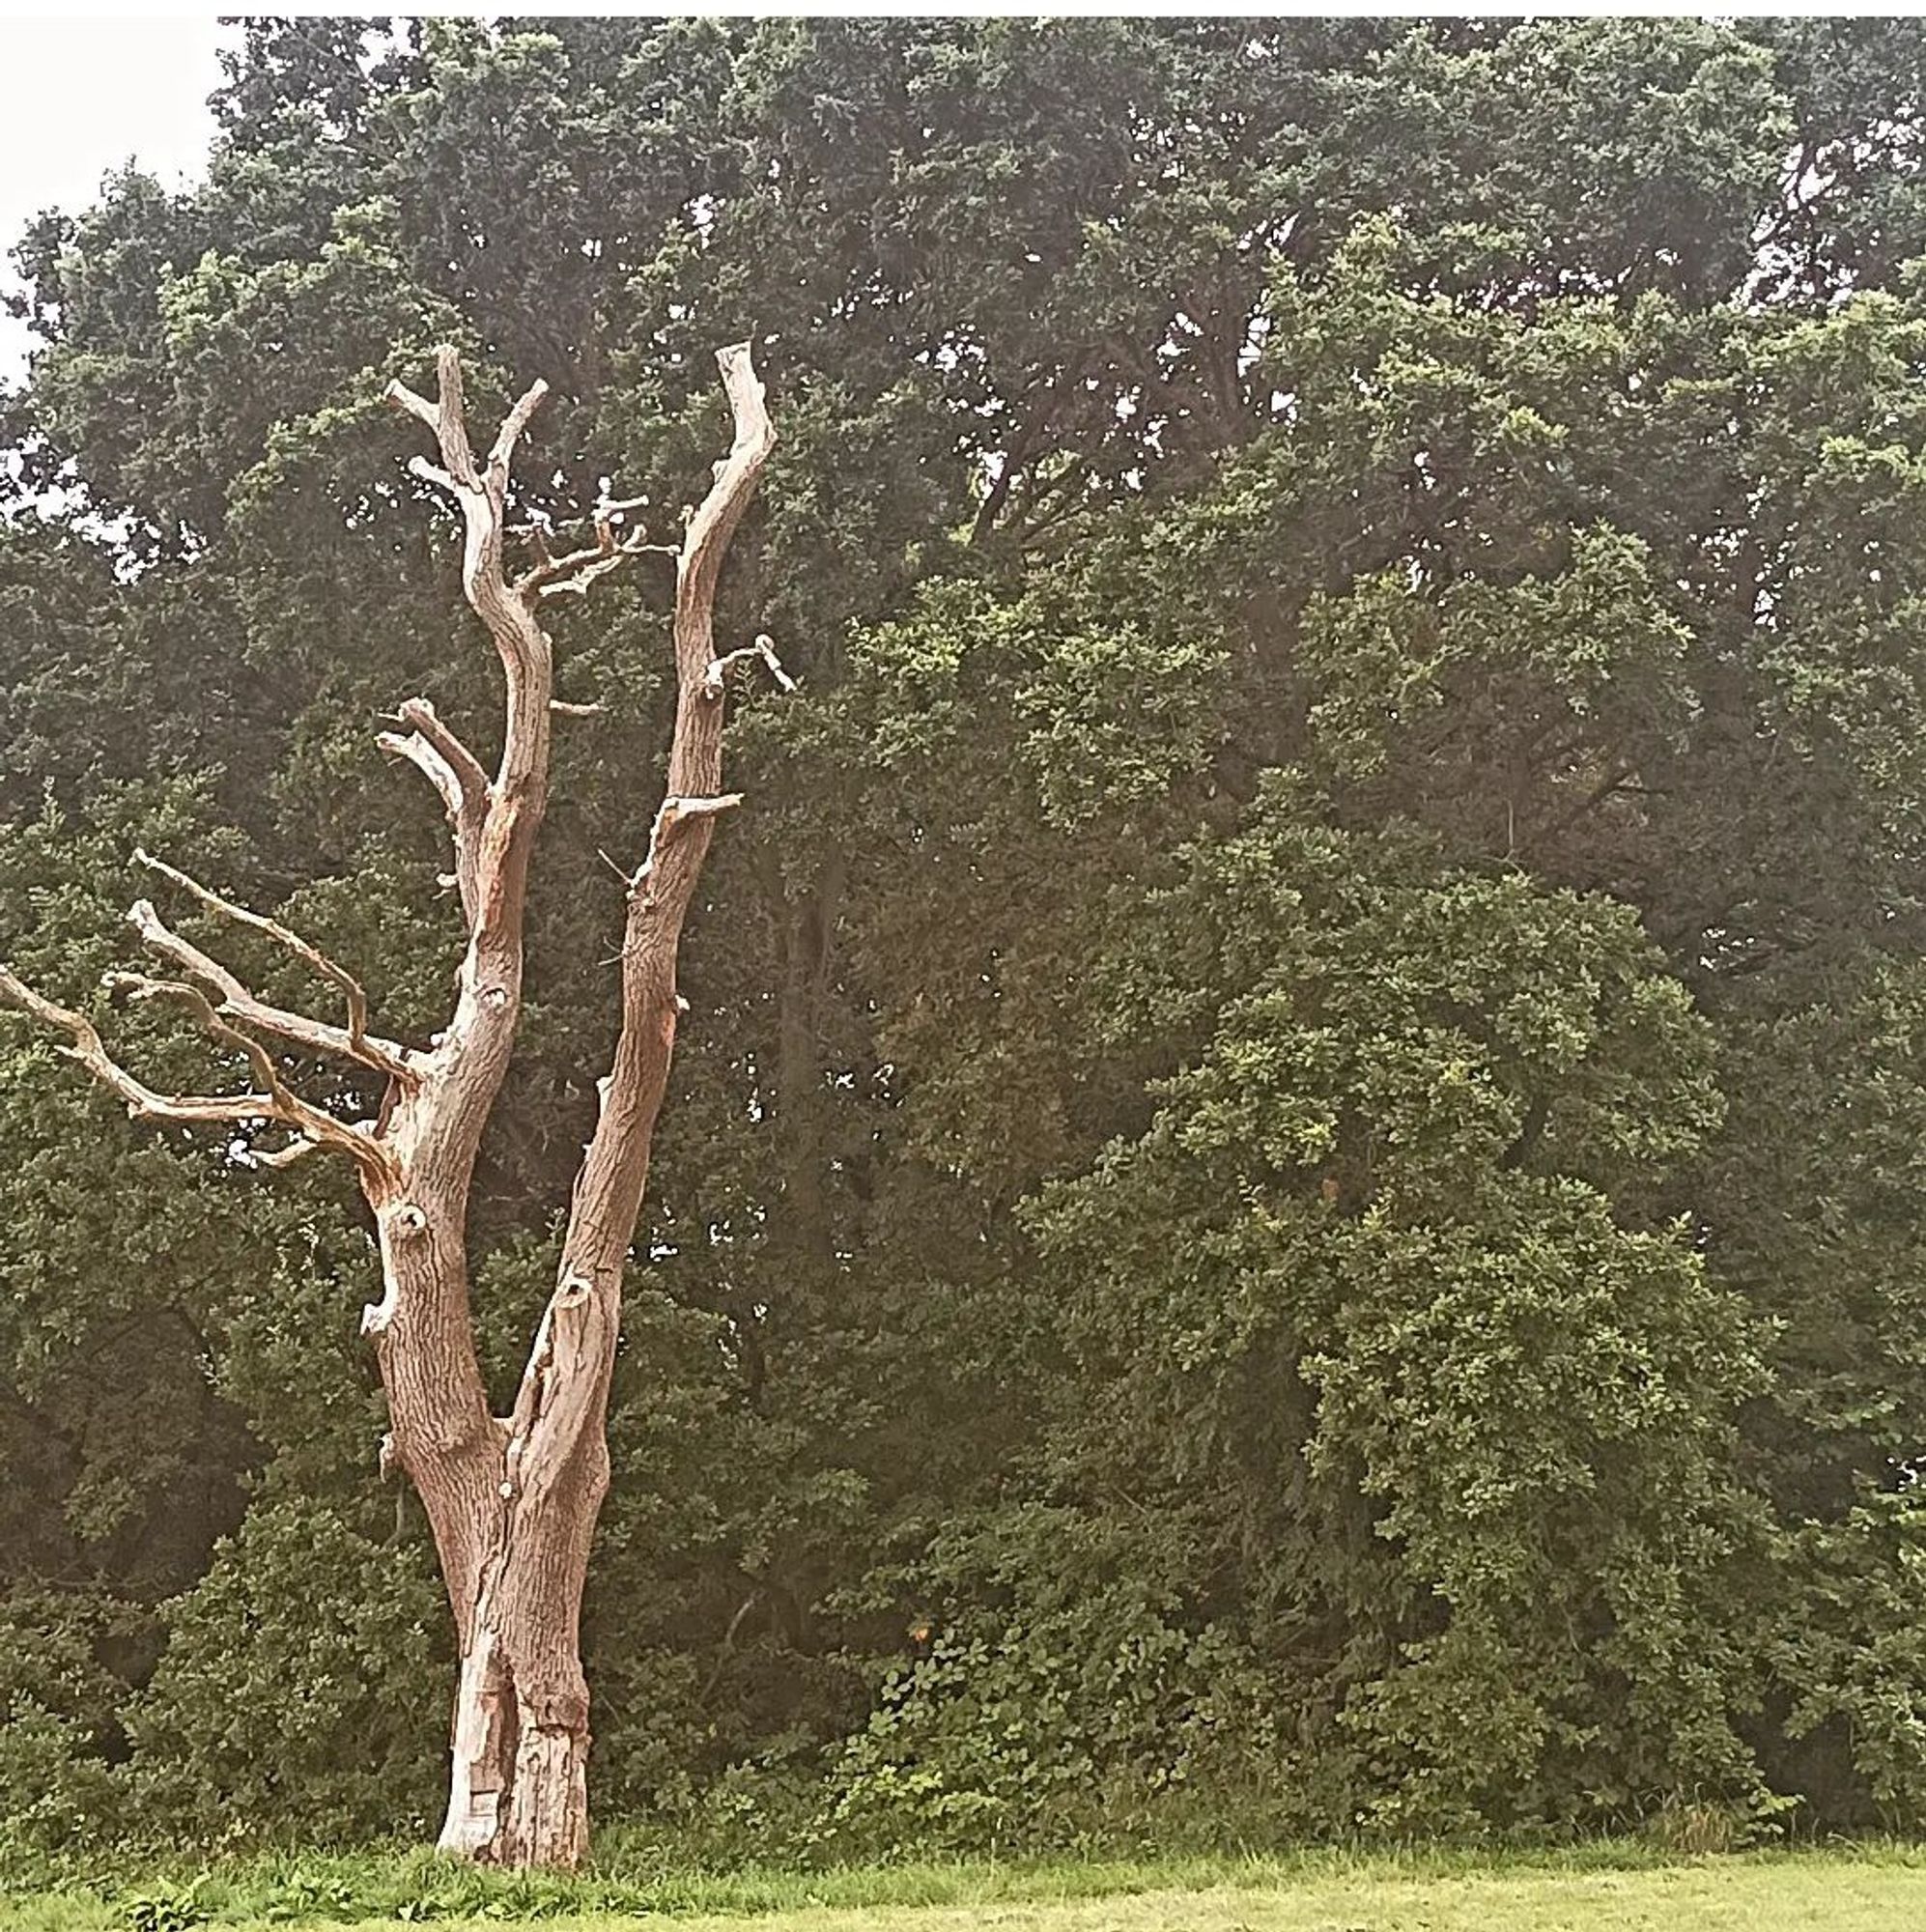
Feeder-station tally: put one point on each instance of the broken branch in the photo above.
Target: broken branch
(143, 1102)
(420, 716)
(376, 1053)
(716, 677)
(457, 774)
(419, 407)
(238, 1001)
(429, 472)
(714, 521)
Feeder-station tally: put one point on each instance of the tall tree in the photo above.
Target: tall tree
(512, 1500)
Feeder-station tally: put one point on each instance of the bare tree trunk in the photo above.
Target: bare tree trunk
(512, 1501)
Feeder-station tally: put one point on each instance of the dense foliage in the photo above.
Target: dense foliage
(1294, 1180)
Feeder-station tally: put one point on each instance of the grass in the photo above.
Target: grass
(1598, 1888)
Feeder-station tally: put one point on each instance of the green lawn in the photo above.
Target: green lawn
(1783, 1897)
(1848, 1892)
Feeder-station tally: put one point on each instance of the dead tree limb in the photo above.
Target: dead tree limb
(273, 1103)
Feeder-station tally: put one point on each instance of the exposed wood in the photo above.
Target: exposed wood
(351, 1042)
(716, 679)
(274, 1101)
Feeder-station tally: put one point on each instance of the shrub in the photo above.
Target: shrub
(303, 1685)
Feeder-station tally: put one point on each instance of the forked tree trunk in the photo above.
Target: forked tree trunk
(512, 1500)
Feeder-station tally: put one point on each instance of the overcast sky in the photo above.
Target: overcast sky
(83, 96)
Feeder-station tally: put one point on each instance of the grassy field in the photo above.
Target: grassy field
(1868, 1890)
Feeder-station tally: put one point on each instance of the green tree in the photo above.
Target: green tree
(1264, 504)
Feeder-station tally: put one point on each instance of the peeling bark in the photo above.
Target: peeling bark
(512, 1501)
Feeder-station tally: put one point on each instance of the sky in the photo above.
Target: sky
(83, 96)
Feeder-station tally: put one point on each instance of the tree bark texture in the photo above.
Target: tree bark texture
(512, 1500)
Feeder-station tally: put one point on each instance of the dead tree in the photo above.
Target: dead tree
(512, 1500)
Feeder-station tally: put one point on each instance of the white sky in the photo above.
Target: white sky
(83, 97)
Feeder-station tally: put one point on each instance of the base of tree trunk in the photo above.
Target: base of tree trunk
(518, 1788)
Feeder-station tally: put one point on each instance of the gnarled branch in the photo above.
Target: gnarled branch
(482, 493)
(571, 575)
(455, 774)
(353, 1042)
(143, 1102)
(297, 1148)
(614, 1170)
(139, 986)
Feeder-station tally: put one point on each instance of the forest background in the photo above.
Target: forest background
(1291, 1193)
